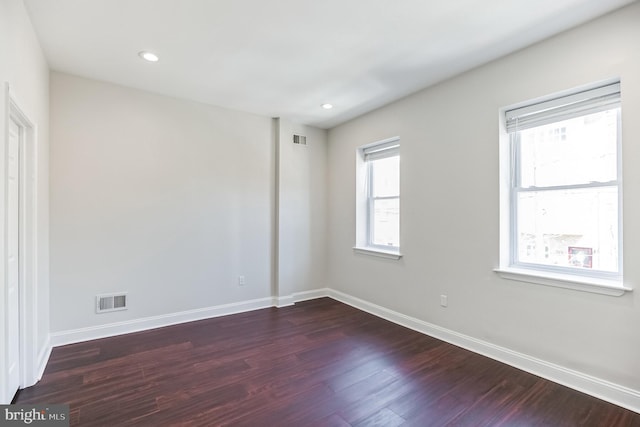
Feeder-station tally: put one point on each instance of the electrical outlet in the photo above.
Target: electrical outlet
(443, 300)
(241, 281)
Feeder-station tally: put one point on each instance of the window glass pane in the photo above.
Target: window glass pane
(386, 176)
(386, 222)
(569, 228)
(574, 151)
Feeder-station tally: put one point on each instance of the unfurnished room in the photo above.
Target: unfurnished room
(304, 213)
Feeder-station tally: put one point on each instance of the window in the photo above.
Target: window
(379, 198)
(564, 179)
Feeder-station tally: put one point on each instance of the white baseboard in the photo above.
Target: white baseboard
(34, 373)
(283, 301)
(610, 392)
(43, 359)
(605, 390)
(137, 325)
(309, 295)
(57, 339)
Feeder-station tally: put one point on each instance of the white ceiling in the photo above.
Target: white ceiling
(283, 58)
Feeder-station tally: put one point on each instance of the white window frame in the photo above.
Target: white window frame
(575, 103)
(365, 199)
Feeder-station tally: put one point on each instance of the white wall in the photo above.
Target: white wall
(165, 199)
(24, 68)
(302, 206)
(450, 207)
(171, 201)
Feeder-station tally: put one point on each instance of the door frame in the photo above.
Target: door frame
(28, 286)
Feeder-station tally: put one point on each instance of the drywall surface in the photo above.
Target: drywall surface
(24, 68)
(167, 200)
(302, 208)
(450, 207)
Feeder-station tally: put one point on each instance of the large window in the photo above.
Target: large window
(379, 217)
(565, 184)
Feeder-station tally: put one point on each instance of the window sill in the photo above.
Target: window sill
(585, 284)
(380, 253)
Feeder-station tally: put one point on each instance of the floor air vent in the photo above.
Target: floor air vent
(111, 302)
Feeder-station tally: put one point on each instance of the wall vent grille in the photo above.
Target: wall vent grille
(111, 302)
(300, 139)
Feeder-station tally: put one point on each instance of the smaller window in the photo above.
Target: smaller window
(379, 188)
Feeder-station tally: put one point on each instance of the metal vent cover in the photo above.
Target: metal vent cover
(300, 139)
(111, 302)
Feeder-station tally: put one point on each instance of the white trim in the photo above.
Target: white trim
(599, 388)
(602, 389)
(57, 339)
(283, 301)
(310, 295)
(578, 283)
(28, 288)
(377, 252)
(145, 323)
(28, 242)
(296, 297)
(43, 359)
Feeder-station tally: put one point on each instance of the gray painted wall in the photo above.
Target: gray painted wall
(450, 207)
(24, 68)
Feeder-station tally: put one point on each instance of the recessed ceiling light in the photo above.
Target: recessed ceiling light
(148, 56)
(327, 106)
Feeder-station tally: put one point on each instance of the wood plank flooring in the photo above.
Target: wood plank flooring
(318, 363)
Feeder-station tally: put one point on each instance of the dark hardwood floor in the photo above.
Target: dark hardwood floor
(318, 363)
